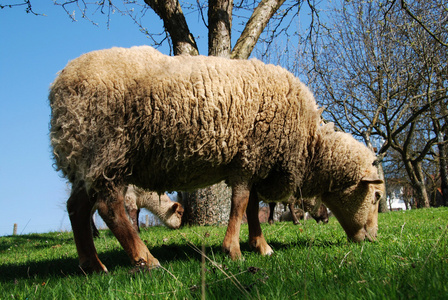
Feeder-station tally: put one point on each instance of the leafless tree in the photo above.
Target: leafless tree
(381, 74)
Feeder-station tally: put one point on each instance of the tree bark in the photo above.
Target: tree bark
(219, 27)
(208, 206)
(176, 25)
(417, 178)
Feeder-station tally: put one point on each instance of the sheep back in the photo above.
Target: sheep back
(179, 123)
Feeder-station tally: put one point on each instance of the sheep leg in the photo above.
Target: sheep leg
(113, 212)
(231, 244)
(256, 238)
(133, 215)
(271, 212)
(95, 232)
(79, 207)
(295, 220)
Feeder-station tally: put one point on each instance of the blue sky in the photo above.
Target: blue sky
(32, 50)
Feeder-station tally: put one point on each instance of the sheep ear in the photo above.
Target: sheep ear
(372, 178)
(175, 206)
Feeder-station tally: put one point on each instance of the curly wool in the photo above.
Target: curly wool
(338, 162)
(164, 123)
(136, 116)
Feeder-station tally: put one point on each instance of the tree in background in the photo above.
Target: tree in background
(381, 73)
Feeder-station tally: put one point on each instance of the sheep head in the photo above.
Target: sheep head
(174, 215)
(356, 207)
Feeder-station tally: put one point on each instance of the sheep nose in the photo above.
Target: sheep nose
(359, 236)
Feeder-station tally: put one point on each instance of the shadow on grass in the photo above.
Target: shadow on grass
(115, 259)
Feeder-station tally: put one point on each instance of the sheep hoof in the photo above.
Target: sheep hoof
(142, 266)
(88, 268)
(234, 254)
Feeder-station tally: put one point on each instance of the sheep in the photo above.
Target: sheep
(321, 215)
(135, 116)
(169, 212)
(313, 206)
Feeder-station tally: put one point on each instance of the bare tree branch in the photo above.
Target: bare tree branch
(176, 25)
(26, 3)
(254, 27)
(405, 7)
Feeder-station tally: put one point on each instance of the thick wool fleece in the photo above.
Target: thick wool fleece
(339, 161)
(175, 123)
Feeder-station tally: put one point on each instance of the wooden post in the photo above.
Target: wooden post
(147, 221)
(14, 231)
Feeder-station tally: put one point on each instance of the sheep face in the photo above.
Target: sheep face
(174, 216)
(356, 208)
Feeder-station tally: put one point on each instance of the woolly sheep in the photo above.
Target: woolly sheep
(313, 206)
(136, 116)
(169, 212)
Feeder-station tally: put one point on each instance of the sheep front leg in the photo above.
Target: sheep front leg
(112, 211)
(231, 244)
(79, 207)
(256, 238)
(133, 215)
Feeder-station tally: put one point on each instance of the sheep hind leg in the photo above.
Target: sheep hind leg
(256, 238)
(231, 244)
(79, 207)
(295, 220)
(113, 212)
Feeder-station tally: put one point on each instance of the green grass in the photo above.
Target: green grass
(313, 261)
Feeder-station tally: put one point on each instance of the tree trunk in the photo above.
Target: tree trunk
(208, 206)
(417, 178)
(219, 27)
(421, 186)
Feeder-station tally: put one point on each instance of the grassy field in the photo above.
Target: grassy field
(311, 261)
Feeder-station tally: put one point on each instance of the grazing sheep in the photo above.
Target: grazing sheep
(135, 116)
(315, 208)
(320, 216)
(169, 212)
